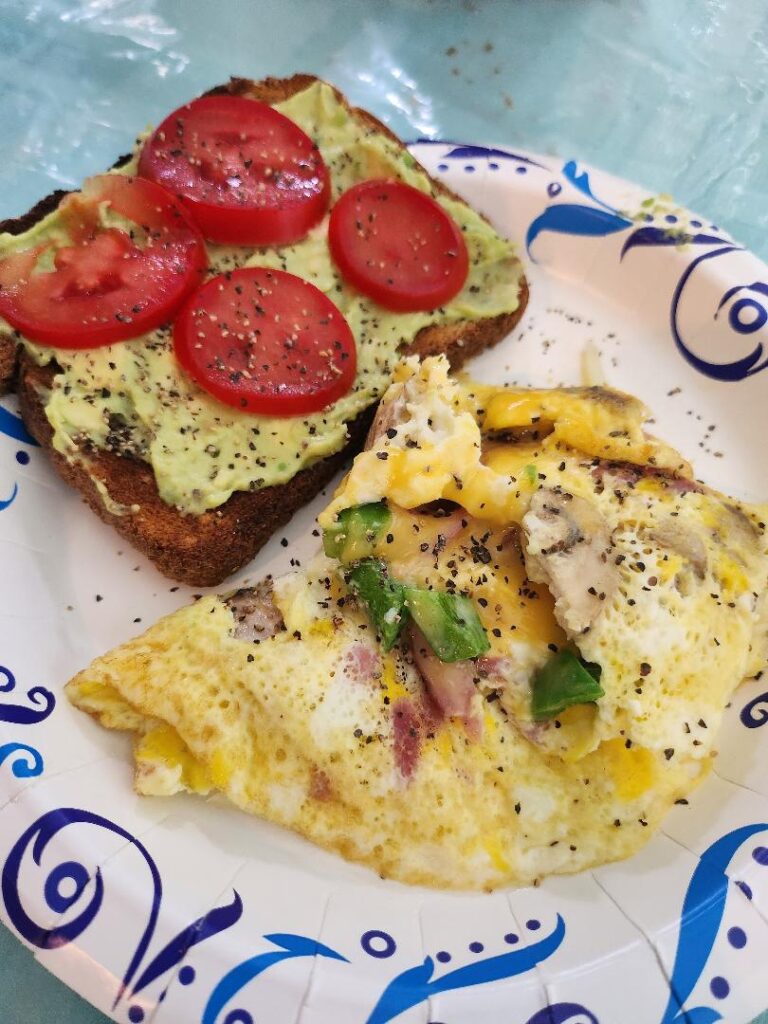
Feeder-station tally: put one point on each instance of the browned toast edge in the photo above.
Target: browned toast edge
(203, 550)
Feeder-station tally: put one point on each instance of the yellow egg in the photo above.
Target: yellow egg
(569, 529)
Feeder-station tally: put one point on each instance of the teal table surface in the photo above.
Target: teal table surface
(672, 94)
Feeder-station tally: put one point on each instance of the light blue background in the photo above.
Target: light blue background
(672, 94)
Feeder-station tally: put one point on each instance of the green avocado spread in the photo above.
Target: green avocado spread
(134, 399)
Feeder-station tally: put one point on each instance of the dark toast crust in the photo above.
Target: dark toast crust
(198, 550)
(203, 550)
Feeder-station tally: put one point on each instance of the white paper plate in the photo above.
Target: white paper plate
(183, 910)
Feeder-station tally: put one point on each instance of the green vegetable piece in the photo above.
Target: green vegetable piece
(531, 473)
(449, 622)
(355, 532)
(565, 680)
(383, 597)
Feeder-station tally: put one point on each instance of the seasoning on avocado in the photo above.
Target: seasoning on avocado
(201, 452)
(383, 597)
(355, 532)
(449, 622)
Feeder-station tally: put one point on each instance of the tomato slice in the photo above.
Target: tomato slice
(398, 246)
(247, 173)
(109, 284)
(267, 342)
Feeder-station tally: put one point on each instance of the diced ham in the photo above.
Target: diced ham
(361, 662)
(412, 720)
(493, 666)
(450, 684)
(319, 785)
(406, 723)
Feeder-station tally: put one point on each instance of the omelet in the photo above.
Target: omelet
(510, 659)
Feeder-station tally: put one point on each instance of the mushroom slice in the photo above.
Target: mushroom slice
(388, 415)
(567, 547)
(256, 615)
(683, 540)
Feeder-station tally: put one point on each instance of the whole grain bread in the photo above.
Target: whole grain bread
(203, 550)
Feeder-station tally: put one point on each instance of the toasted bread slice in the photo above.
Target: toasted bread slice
(202, 550)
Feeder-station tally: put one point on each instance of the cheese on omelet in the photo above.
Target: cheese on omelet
(568, 527)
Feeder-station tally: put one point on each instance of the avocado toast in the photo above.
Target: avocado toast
(201, 508)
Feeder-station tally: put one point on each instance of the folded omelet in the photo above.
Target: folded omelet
(511, 659)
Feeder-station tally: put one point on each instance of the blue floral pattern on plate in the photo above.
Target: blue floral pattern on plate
(25, 761)
(36, 839)
(12, 426)
(598, 219)
(700, 923)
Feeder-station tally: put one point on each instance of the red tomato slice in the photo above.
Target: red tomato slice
(108, 285)
(247, 174)
(398, 246)
(267, 342)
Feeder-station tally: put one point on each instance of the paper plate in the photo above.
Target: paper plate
(184, 910)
